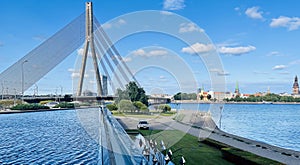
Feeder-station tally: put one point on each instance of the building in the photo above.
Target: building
(237, 90)
(204, 96)
(104, 85)
(295, 86)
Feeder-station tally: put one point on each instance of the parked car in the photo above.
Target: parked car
(51, 104)
(143, 124)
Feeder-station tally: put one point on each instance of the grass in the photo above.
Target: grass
(181, 144)
(145, 116)
(117, 113)
(202, 152)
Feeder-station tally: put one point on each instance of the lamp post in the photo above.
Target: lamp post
(22, 72)
(2, 89)
(221, 107)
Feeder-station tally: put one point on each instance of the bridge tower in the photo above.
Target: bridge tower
(89, 43)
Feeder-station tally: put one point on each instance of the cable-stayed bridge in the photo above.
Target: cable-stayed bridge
(115, 146)
(83, 30)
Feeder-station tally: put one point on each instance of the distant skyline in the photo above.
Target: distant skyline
(257, 40)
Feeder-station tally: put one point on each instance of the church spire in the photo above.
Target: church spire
(296, 86)
(237, 90)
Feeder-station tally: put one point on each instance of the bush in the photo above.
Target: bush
(112, 107)
(9, 103)
(126, 106)
(65, 105)
(140, 106)
(164, 107)
(29, 107)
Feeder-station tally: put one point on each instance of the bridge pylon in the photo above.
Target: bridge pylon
(89, 43)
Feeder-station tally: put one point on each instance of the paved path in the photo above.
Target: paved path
(262, 149)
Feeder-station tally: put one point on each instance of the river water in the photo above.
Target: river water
(50, 137)
(275, 124)
(58, 137)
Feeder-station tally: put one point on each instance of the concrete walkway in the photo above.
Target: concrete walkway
(262, 149)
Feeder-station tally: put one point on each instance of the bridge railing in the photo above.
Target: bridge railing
(123, 147)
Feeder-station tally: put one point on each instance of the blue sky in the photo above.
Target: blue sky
(258, 41)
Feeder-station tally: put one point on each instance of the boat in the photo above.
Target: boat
(266, 102)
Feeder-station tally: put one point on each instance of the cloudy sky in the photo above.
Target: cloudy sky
(257, 41)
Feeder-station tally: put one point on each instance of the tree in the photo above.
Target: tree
(132, 93)
(164, 107)
(201, 97)
(112, 107)
(140, 106)
(208, 96)
(177, 96)
(126, 106)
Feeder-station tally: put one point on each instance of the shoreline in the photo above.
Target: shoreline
(283, 155)
(211, 102)
(8, 111)
(28, 111)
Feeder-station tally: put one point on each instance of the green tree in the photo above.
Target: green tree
(177, 96)
(132, 93)
(112, 107)
(208, 96)
(126, 106)
(140, 106)
(164, 107)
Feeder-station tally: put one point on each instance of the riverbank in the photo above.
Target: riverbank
(282, 155)
(8, 111)
(212, 102)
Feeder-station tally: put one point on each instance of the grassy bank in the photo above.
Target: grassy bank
(203, 152)
(194, 152)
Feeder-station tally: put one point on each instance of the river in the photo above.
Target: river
(275, 124)
(50, 137)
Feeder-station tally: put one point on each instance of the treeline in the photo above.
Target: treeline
(268, 97)
(185, 96)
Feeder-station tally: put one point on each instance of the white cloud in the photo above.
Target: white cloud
(274, 53)
(92, 82)
(121, 21)
(166, 13)
(197, 48)
(219, 72)
(295, 62)
(254, 13)
(236, 50)
(284, 72)
(223, 73)
(115, 24)
(214, 70)
(75, 75)
(157, 52)
(162, 77)
(189, 27)
(291, 23)
(39, 38)
(127, 59)
(237, 9)
(139, 52)
(80, 51)
(106, 26)
(152, 53)
(173, 4)
(71, 70)
(260, 72)
(279, 67)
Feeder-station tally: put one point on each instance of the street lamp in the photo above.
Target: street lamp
(221, 107)
(22, 67)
